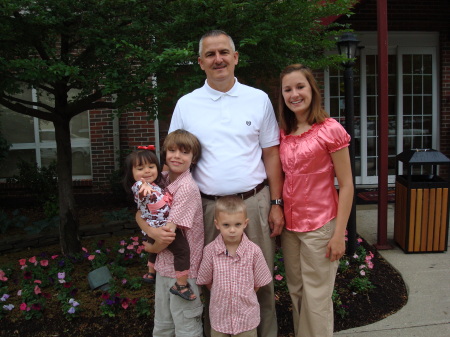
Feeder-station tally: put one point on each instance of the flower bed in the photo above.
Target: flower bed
(43, 293)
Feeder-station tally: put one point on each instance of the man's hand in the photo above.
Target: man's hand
(276, 220)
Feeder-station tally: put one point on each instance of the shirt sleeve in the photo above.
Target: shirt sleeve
(139, 201)
(334, 135)
(261, 271)
(205, 271)
(176, 122)
(181, 212)
(270, 133)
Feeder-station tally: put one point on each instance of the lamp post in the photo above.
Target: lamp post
(347, 46)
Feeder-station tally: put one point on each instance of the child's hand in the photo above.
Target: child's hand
(145, 188)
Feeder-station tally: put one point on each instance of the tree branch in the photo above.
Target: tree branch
(22, 109)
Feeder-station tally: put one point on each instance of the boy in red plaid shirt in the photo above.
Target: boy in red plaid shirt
(233, 268)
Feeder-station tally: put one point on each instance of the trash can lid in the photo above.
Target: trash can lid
(423, 156)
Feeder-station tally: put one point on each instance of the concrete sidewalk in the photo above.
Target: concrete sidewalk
(427, 277)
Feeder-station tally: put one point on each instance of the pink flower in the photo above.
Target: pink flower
(123, 243)
(54, 256)
(359, 240)
(91, 257)
(130, 247)
(38, 281)
(32, 259)
(278, 277)
(121, 250)
(84, 250)
(37, 290)
(23, 306)
(124, 281)
(44, 263)
(2, 276)
(125, 303)
(135, 238)
(135, 243)
(140, 249)
(22, 262)
(370, 264)
(362, 272)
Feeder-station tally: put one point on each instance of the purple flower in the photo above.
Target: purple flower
(110, 301)
(74, 303)
(8, 307)
(71, 310)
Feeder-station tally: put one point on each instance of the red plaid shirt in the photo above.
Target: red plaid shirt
(234, 307)
(187, 213)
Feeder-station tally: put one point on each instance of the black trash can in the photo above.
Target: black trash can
(421, 202)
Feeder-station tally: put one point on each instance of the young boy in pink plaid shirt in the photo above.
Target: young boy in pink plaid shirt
(174, 316)
(233, 268)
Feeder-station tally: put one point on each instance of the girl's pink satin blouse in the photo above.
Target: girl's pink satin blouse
(310, 197)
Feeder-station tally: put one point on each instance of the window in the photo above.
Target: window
(33, 140)
(412, 100)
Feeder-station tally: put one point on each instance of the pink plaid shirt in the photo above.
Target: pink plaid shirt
(234, 307)
(187, 213)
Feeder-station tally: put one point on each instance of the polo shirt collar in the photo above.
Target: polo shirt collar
(215, 94)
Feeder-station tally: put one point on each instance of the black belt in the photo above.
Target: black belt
(244, 195)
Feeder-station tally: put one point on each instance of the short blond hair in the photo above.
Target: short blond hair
(230, 204)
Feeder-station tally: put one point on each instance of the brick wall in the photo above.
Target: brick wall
(134, 129)
(445, 93)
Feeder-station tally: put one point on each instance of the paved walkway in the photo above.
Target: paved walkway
(427, 277)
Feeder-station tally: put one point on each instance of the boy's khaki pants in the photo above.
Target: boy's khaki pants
(175, 316)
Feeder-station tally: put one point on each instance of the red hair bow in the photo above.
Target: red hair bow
(149, 147)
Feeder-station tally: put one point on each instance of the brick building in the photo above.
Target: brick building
(419, 101)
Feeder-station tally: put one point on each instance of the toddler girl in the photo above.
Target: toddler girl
(142, 174)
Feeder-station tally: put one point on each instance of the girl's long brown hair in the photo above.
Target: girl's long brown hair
(137, 158)
(287, 119)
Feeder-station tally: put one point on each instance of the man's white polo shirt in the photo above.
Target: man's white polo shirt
(232, 128)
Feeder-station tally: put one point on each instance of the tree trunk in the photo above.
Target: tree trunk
(68, 222)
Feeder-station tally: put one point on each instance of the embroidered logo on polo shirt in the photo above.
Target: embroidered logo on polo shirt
(248, 123)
